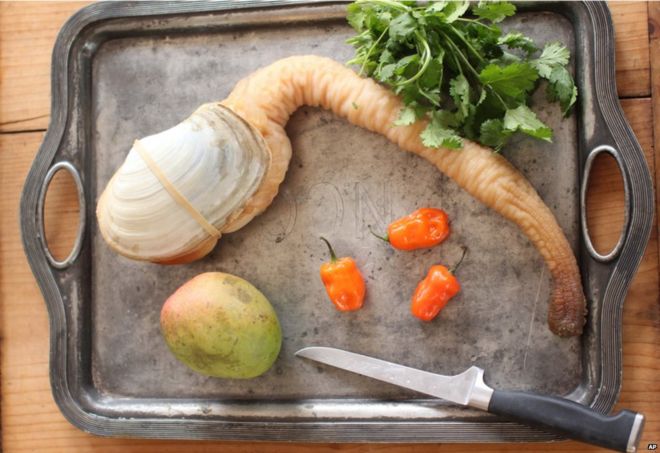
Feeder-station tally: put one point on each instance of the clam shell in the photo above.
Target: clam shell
(214, 159)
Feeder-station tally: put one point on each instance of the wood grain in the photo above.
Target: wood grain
(654, 29)
(27, 36)
(632, 48)
(30, 419)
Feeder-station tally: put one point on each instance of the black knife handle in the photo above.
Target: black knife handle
(619, 432)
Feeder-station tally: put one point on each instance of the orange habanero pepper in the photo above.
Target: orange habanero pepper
(426, 227)
(433, 293)
(343, 281)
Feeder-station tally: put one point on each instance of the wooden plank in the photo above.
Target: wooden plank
(654, 28)
(28, 31)
(27, 35)
(31, 421)
(632, 47)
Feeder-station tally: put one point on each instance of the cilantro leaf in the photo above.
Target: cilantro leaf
(356, 15)
(484, 39)
(402, 27)
(488, 107)
(518, 41)
(384, 73)
(386, 57)
(524, 120)
(493, 134)
(408, 115)
(409, 94)
(494, 11)
(435, 136)
(407, 66)
(455, 9)
(445, 118)
(459, 89)
(561, 88)
(437, 6)
(377, 21)
(514, 80)
(432, 78)
(438, 133)
(554, 54)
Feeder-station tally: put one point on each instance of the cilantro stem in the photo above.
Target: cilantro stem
(457, 51)
(427, 60)
(373, 46)
(468, 45)
(476, 22)
(492, 90)
(457, 63)
(472, 70)
(430, 99)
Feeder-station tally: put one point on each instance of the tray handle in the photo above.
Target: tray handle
(75, 251)
(591, 157)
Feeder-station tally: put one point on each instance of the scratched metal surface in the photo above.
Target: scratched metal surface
(341, 179)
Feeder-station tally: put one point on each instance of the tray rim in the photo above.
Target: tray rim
(80, 412)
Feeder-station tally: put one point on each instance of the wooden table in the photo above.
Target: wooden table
(31, 421)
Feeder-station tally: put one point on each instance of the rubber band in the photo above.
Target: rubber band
(173, 191)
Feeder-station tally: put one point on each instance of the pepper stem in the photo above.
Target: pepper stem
(333, 257)
(382, 238)
(455, 267)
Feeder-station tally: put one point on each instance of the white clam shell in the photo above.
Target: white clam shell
(213, 158)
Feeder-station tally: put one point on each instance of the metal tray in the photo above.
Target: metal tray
(122, 71)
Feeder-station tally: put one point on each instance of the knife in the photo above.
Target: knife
(619, 432)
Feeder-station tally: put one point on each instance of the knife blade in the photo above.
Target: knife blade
(620, 432)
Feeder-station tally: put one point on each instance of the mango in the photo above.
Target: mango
(220, 325)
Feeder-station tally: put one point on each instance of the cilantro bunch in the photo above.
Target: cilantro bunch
(457, 70)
